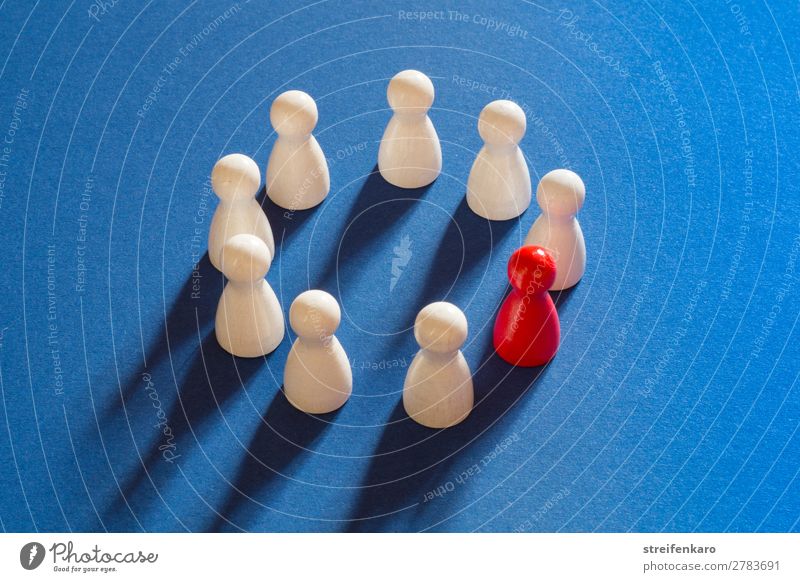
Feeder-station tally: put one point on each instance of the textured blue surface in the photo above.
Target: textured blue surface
(672, 404)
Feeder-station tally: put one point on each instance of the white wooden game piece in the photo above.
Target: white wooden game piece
(317, 377)
(560, 196)
(249, 319)
(410, 155)
(297, 171)
(499, 185)
(438, 389)
(236, 179)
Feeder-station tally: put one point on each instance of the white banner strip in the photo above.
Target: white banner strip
(407, 557)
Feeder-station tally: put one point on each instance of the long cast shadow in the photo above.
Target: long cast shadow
(210, 380)
(471, 234)
(191, 310)
(282, 435)
(169, 351)
(412, 461)
(374, 191)
(467, 233)
(407, 457)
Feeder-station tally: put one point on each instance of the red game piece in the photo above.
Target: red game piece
(527, 331)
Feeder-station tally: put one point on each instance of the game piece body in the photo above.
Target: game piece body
(499, 184)
(438, 390)
(527, 330)
(317, 377)
(297, 171)
(236, 179)
(249, 320)
(560, 195)
(410, 155)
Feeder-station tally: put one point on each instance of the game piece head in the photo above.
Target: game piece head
(440, 327)
(410, 92)
(244, 258)
(234, 177)
(293, 114)
(314, 314)
(502, 123)
(561, 193)
(532, 269)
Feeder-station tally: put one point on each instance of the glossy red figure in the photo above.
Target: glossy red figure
(527, 331)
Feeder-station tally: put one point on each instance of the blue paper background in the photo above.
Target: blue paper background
(672, 404)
